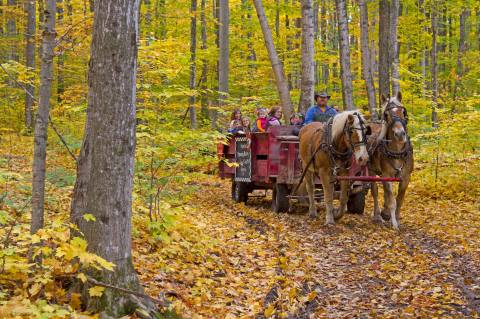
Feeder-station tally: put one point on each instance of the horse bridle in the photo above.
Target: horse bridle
(350, 130)
(396, 119)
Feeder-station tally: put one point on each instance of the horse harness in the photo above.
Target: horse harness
(327, 146)
(407, 149)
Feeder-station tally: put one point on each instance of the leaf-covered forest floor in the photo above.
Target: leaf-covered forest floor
(218, 259)
(256, 263)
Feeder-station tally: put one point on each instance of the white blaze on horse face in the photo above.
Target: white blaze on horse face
(399, 132)
(361, 154)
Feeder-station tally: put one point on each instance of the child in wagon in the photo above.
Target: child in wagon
(261, 121)
(236, 121)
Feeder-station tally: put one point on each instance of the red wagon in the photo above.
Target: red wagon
(270, 160)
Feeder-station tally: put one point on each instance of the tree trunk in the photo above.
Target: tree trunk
(367, 71)
(462, 49)
(106, 163)
(393, 55)
(383, 40)
(308, 66)
(277, 66)
(12, 53)
(41, 120)
(30, 7)
(61, 57)
(346, 74)
(434, 67)
(203, 77)
(224, 49)
(193, 63)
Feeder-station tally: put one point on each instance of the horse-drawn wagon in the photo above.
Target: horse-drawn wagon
(270, 160)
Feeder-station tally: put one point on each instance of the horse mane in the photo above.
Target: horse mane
(339, 122)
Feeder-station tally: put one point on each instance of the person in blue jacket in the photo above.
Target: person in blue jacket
(320, 112)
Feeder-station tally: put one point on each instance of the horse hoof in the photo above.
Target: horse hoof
(330, 224)
(337, 215)
(385, 215)
(396, 227)
(377, 219)
(313, 215)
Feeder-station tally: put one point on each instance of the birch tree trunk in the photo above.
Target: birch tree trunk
(277, 66)
(346, 74)
(193, 63)
(367, 71)
(106, 164)
(308, 65)
(30, 7)
(393, 55)
(434, 66)
(41, 120)
(203, 77)
(223, 60)
(383, 58)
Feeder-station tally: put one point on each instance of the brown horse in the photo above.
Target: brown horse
(391, 155)
(325, 150)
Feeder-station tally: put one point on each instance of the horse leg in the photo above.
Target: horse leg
(390, 203)
(343, 199)
(327, 196)
(310, 185)
(377, 217)
(385, 212)
(402, 188)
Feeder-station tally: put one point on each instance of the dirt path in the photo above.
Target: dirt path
(259, 264)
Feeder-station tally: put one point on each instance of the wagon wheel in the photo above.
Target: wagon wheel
(239, 192)
(356, 203)
(280, 201)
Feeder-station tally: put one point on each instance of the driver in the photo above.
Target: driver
(320, 112)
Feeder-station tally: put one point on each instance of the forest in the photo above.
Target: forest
(111, 204)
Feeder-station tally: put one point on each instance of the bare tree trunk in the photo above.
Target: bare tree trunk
(277, 66)
(193, 63)
(61, 56)
(434, 66)
(393, 55)
(41, 120)
(366, 60)
(383, 40)
(277, 19)
(106, 164)
(41, 14)
(203, 77)
(224, 50)
(308, 66)
(346, 74)
(30, 7)
(462, 49)
(12, 33)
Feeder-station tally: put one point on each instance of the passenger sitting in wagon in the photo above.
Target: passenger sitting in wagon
(245, 125)
(261, 121)
(320, 112)
(236, 122)
(275, 115)
(296, 119)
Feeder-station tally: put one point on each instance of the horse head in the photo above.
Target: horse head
(395, 117)
(356, 131)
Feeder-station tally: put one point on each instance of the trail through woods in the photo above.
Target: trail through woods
(218, 259)
(251, 262)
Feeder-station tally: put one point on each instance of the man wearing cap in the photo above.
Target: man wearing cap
(320, 112)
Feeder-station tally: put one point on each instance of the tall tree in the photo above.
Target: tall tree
(193, 63)
(366, 59)
(383, 44)
(434, 64)
(30, 7)
(42, 118)
(462, 48)
(204, 46)
(224, 49)
(308, 65)
(277, 66)
(61, 56)
(12, 32)
(346, 74)
(393, 46)
(105, 167)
